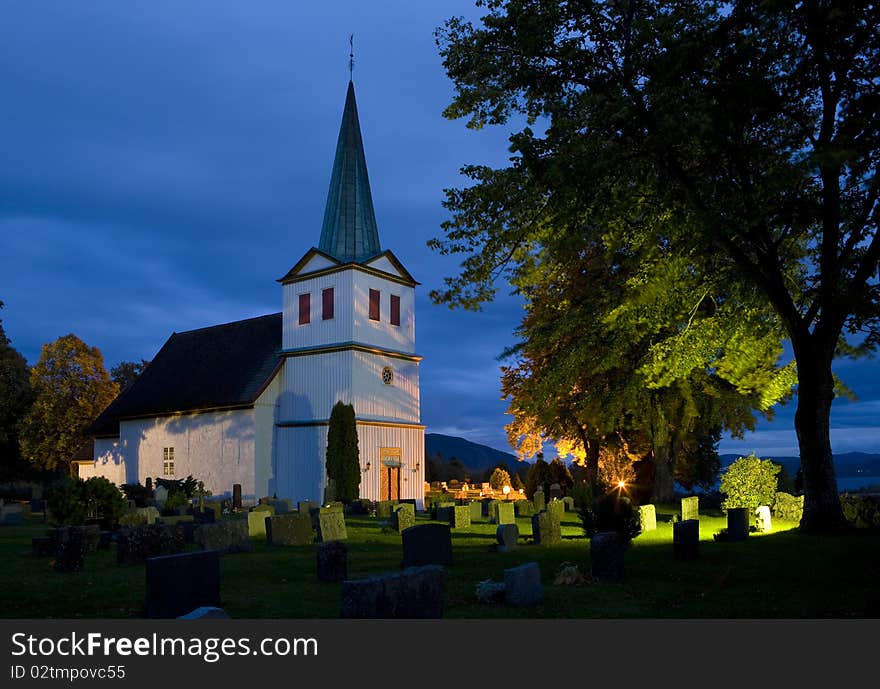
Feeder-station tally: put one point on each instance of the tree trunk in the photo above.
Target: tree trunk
(812, 421)
(664, 482)
(592, 462)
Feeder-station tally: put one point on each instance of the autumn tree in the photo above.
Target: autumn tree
(15, 399)
(343, 457)
(126, 372)
(754, 126)
(71, 388)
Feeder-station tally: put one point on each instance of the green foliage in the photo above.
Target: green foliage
(104, 499)
(71, 501)
(176, 500)
(749, 482)
(16, 397)
(71, 388)
(538, 478)
(611, 512)
(135, 491)
(126, 372)
(185, 486)
(861, 511)
(343, 460)
(789, 507)
(499, 479)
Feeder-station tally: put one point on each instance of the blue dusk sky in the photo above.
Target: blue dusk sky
(163, 163)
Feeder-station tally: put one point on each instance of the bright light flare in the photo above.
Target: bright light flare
(621, 484)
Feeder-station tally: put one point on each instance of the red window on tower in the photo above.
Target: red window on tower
(374, 304)
(395, 310)
(305, 308)
(327, 304)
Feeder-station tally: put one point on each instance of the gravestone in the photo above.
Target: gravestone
(177, 584)
(522, 585)
(493, 511)
(204, 516)
(476, 508)
(10, 515)
(427, 544)
(414, 593)
(69, 549)
(648, 517)
(289, 529)
(135, 544)
(264, 507)
(690, 508)
(226, 537)
(568, 501)
(38, 506)
(282, 506)
(504, 513)
(737, 523)
(91, 536)
(403, 516)
(686, 539)
(539, 500)
(461, 517)
(256, 521)
(206, 612)
(506, 535)
(762, 519)
(384, 508)
(161, 495)
(555, 492)
(306, 506)
(331, 525)
(43, 546)
(236, 496)
(556, 508)
(607, 549)
(332, 561)
(216, 508)
(524, 508)
(546, 529)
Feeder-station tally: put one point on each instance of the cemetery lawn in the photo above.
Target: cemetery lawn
(781, 574)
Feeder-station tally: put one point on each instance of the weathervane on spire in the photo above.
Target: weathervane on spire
(351, 57)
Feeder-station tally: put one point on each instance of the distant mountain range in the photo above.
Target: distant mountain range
(477, 458)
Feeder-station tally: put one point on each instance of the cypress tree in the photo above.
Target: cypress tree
(343, 460)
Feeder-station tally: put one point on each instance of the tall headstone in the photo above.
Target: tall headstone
(506, 535)
(686, 539)
(648, 517)
(504, 513)
(557, 508)
(332, 561)
(539, 500)
(607, 549)
(690, 508)
(177, 584)
(256, 521)
(236, 496)
(331, 525)
(523, 508)
(427, 544)
(763, 523)
(737, 523)
(522, 585)
(403, 516)
(546, 529)
(476, 508)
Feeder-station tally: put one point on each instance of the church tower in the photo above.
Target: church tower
(349, 335)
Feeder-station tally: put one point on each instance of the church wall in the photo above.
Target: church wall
(299, 463)
(381, 333)
(373, 399)
(266, 410)
(214, 447)
(313, 384)
(318, 332)
(109, 462)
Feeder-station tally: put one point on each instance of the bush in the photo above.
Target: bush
(135, 491)
(187, 486)
(582, 493)
(861, 511)
(71, 501)
(174, 501)
(749, 482)
(611, 512)
(788, 507)
(104, 500)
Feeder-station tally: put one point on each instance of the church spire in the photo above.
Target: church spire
(349, 232)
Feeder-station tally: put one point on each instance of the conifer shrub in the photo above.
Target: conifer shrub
(611, 512)
(749, 482)
(71, 501)
(343, 459)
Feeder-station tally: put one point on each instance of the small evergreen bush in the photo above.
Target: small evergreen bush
(611, 512)
(749, 482)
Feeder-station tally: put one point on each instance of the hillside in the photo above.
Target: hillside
(475, 457)
(846, 464)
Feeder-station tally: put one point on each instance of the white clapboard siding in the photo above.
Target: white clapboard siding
(313, 384)
(266, 412)
(411, 441)
(373, 399)
(299, 463)
(381, 333)
(318, 332)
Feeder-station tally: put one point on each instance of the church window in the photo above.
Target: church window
(374, 304)
(168, 462)
(327, 303)
(305, 308)
(395, 310)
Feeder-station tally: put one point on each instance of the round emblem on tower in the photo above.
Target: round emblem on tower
(387, 375)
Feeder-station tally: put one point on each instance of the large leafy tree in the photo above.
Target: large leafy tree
(15, 400)
(126, 372)
(343, 458)
(755, 125)
(71, 388)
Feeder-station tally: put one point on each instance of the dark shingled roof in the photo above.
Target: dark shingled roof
(221, 366)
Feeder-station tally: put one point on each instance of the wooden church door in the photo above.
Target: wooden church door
(389, 476)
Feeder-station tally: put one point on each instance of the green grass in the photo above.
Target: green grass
(783, 574)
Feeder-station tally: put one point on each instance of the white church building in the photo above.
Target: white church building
(249, 402)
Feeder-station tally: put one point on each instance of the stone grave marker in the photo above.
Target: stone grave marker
(282, 506)
(289, 529)
(522, 585)
(648, 517)
(546, 529)
(607, 549)
(256, 522)
(568, 501)
(161, 495)
(493, 511)
(737, 523)
(43, 546)
(384, 508)
(403, 516)
(204, 516)
(10, 515)
(178, 584)
(506, 535)
(414, 593)
(332, 561)
(427, 544)
(38, 506)
(226, 537)
(461, 517)
(690, 508)
(476, 508)
(686, 539)
(504, 513)
(539, 500)
(555, 492)
(135, 544)
(236, 496)
(69, 549)
(556, 508)
(763, 522)
(306, 506)
(524, 508)
(331, 525)
(91, 536)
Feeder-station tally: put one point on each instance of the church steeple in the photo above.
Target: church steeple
(349, 232)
